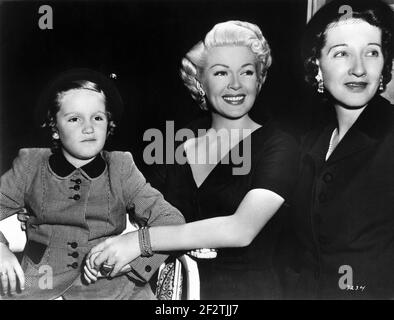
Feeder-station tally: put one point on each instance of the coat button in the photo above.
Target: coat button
(76, 197)
(77, 187)
(77, 181)
(148, 268)
(72, 244)
(74, 254)
(74, 265)
(328, 177)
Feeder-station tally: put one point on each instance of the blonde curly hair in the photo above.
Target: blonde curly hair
(235, 33)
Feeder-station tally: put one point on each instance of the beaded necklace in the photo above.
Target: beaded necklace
(331, 146)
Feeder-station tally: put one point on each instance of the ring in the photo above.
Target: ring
(106, 269)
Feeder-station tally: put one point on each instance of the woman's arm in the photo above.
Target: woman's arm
(237, 230)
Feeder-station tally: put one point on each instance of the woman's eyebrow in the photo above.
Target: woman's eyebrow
(375, 44)
(337, 45)
(344, 44)
(219, 65)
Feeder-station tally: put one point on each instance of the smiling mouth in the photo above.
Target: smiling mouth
(234, 99)
(356, 86)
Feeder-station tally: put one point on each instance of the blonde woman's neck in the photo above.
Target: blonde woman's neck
(219, 122)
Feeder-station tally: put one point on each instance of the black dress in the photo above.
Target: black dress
(239, 273)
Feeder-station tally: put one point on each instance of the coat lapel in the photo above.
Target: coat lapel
(354, 141)
(366, 132)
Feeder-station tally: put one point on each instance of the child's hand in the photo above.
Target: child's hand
(10, 270)
(117, 251)
(90, 273)
(23, 217)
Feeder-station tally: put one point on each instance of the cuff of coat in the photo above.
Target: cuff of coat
(3, 239)
(143, 268)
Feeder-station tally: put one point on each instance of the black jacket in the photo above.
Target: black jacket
(343, 211)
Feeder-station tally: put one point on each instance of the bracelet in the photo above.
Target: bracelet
(144, 241)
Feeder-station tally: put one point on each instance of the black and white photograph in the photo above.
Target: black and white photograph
(219, 150)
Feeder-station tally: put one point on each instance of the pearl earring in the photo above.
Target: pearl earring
(320, 85)
(381, 85)
(55, 135)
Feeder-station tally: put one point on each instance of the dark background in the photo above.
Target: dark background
(143, 43)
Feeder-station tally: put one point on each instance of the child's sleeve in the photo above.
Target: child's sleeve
(150, 209)
(12, 188)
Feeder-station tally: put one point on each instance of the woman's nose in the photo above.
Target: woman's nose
(234, 83)
(358, 68)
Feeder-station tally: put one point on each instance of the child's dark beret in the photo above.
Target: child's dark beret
(63, 80)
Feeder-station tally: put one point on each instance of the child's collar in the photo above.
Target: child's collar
(63, 168)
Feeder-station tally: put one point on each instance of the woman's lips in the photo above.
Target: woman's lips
(356, 86)
(234, 99)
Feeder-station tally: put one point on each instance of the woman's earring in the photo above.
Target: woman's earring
(381, 85)
(320, 84)
(201, 91)
(55, 136)
(201, 95)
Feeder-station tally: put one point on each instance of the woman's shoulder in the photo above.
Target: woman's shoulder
(388, 108)
(274, 132)
(274, 144)
(383, 120)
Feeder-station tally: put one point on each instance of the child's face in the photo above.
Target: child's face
(82, 125)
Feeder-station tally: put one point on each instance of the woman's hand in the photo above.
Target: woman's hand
(10, 270)
(116, 251)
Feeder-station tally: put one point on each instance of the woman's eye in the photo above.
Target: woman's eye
(373, 53)
(99, 118)
(220, 73)
(248, 72)
(73, 119)
(340, 54)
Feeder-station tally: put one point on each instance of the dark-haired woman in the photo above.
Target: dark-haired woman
(344, 200)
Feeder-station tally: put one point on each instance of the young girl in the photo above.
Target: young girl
(77, 195)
